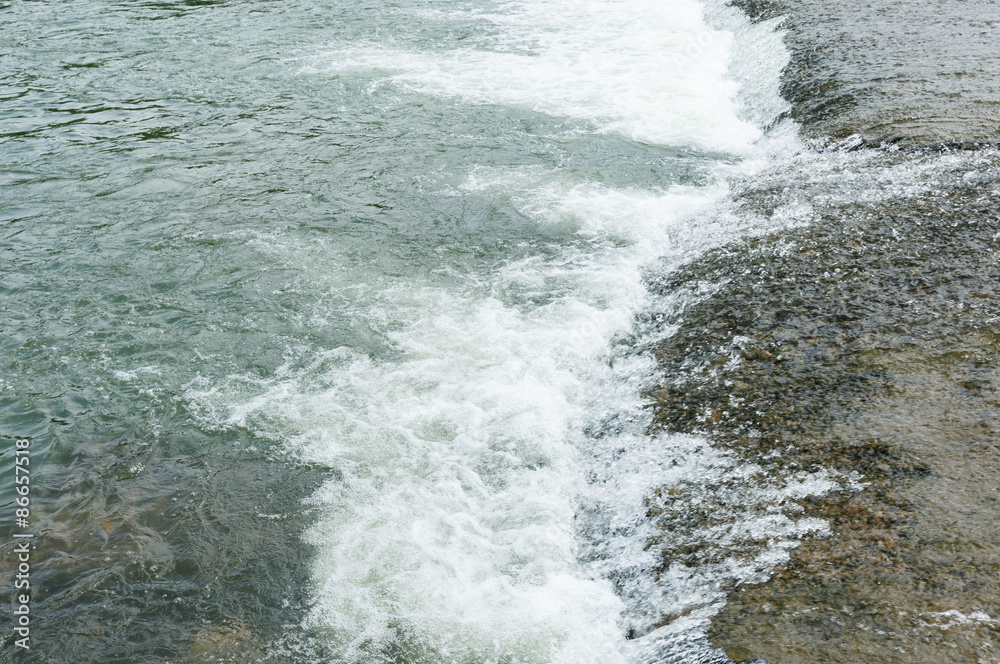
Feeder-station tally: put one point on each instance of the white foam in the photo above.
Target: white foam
(953, 618)
(654, 72)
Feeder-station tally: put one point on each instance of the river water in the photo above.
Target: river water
(334, 325)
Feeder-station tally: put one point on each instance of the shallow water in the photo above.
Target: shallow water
(863, 342)
(900, 71)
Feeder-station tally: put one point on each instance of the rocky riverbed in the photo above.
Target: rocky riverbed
(864, 341)
(917, 73)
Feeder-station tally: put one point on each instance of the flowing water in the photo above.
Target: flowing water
(332, 328)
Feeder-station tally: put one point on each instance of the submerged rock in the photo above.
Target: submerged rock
(226, 644)
(865, 342)
(913, 72)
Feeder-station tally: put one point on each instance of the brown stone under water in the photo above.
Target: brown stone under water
(867, 342)
(908, 71)
(903, 552)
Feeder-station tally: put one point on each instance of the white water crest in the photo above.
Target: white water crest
(654, 72)
(487, 476)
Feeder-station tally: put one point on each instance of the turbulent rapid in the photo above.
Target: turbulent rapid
(480, 506)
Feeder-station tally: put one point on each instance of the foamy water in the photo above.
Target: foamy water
(488, 473)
